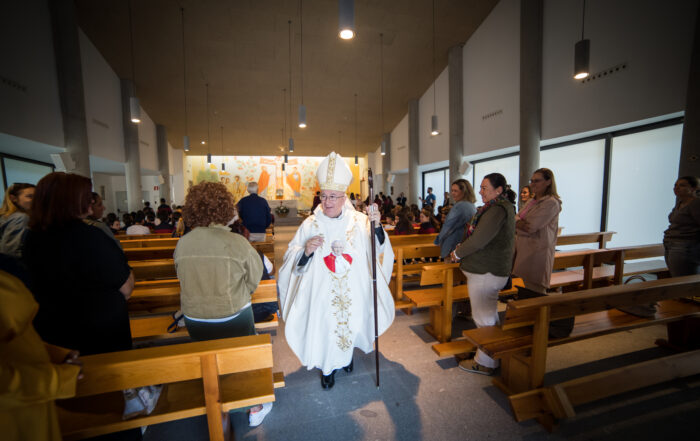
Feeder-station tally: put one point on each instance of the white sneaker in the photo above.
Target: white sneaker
(256, 418)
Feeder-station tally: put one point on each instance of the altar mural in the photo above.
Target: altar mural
(297, 181)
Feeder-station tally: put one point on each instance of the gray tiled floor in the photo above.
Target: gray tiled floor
(424, 398)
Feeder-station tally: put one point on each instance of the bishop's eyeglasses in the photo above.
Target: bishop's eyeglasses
(331, 197)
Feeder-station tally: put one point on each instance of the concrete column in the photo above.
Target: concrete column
(414, 184)
(131, 148)
(530, 88)
(163, 161)
(456, 106)
(70, 83)
(690, 143)
(386, 164)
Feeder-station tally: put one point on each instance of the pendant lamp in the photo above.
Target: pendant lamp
(582, 51)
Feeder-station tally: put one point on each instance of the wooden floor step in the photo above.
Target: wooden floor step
(454, 347)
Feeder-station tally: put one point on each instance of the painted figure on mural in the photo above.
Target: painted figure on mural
(294, 181)
(263, 181)
(239, 188)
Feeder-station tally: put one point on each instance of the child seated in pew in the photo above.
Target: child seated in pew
(403, 225)
(138, 228)
(428, 223)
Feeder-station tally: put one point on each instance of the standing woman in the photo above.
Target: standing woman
(485, 257)
(218, 270)
(682, 238)
(525, 196)
(14, 216)
(81, 277)
(463, 209)
(536, 232)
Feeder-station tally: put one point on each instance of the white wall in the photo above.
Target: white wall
(399, 146)
(491, 74)
(100, 180)
(103, 106)
(30, 107)
(400, 185)
(438, 146)
(653, 38)
(148, 149)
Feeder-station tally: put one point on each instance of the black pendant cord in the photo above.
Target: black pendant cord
(434, 79)
(208, 132)
(583, 19)
(355, 129)
(284, 112)
(301, 51)
(381, 77)
(184, 68)
(131, 43)
(290, 80)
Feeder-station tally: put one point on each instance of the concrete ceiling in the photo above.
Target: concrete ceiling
(241, 48)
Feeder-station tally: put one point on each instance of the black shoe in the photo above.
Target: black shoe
(328, 381)
(349, 367)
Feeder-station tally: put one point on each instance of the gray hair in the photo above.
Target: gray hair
(252, 187)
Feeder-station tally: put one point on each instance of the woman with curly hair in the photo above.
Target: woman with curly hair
(218, 270)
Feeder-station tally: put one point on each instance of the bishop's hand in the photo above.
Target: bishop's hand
(312, 244)
(373, 214)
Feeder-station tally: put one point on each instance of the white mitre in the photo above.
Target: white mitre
(334, 173)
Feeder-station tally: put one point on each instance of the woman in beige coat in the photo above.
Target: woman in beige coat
(536, 232)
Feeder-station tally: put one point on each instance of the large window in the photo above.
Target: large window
(644, 167)
(617, 181)
(22, 170)
(578, 173)
(437, 179)
(508, 166)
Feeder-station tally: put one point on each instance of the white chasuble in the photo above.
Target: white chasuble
(327, 304)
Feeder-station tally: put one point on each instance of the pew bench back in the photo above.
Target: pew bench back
(199, 378)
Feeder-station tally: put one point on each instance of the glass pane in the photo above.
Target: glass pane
(508, 167)
(578, 172)
(436, 180)
(644, 167)
(21, 171)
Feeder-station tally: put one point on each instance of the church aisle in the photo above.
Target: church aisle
(423, 397)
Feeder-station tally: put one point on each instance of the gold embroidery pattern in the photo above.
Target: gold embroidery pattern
(341, 302)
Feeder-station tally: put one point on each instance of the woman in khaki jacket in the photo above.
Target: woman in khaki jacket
(536, 232)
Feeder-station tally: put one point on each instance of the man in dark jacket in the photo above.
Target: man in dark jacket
(254, 212)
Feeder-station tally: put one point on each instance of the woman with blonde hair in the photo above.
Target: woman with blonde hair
(14, 217)
(536, 232)
(463, 209)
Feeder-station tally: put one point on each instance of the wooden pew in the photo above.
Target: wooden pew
(202, 378)
(601, 238)
(522, 347)
(411, 239)
(440, 299)
(153, 269)
(143, 243)
(164, 296)
(155, 252)
(591, 273)
(401, 270)
(122, 236)
(151, 307)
